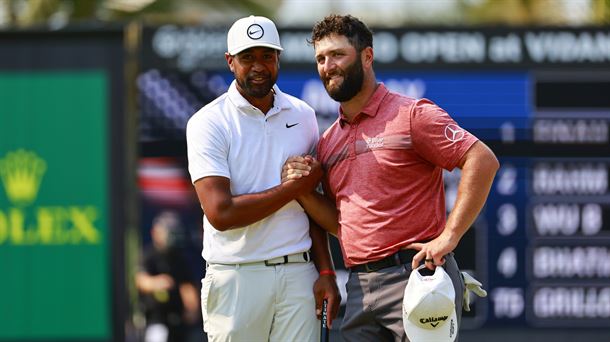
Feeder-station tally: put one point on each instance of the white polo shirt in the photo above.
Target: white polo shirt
(231, 138)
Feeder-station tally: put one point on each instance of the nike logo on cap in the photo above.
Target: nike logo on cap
(288, 126)
(255, 31)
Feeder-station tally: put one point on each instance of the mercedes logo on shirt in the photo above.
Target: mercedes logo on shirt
(454, 132)
(255, 31)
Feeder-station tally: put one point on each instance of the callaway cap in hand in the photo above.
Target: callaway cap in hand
(250, 32)
(428, 308)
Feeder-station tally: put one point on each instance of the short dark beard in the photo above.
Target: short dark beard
(353, 77)
(256, 91)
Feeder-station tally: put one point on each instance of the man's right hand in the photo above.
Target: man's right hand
(296, 167)
(305, 172)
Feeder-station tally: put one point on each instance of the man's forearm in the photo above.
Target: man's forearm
(321, 210)
(250, 208)
(319, 247)
(477, 177)
(227, 211)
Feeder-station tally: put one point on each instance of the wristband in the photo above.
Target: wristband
(327, 272)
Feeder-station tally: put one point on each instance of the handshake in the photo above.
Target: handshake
(302, 172)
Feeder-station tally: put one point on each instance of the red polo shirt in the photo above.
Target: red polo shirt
(385, 172)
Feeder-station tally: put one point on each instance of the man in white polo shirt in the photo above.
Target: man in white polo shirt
(260, 280)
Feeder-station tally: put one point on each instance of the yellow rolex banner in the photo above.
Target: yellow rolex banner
(54, 225)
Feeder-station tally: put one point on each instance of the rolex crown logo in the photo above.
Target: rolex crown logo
(21, 172)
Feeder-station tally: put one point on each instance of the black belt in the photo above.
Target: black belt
(401, 257)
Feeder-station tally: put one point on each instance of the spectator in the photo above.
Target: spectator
(170, 300)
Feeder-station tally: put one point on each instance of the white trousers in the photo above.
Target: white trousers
(260, 303)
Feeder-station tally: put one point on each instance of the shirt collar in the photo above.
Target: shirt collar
(370, 108)
(279, 102)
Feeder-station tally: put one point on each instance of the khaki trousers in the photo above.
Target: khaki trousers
(254, 302)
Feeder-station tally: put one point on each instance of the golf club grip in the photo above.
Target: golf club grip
(324, 331)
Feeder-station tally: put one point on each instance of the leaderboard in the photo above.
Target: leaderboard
(549, 223)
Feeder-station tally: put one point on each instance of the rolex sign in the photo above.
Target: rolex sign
(53, 206)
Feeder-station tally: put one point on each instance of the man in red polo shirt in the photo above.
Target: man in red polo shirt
(383, 160)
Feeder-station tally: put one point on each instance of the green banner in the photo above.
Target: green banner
(54, 225)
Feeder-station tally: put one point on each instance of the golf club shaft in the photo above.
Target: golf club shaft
(324, 334)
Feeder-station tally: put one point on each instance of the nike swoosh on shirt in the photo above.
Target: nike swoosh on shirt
(288, 126)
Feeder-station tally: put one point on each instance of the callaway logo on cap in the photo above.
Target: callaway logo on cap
(428, 308)
(250, 32)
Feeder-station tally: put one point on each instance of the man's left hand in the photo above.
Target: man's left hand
(432, 253)
(326, 288)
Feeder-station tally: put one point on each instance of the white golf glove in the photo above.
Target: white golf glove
(473, 285)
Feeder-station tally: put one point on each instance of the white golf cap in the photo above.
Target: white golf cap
(428, 308)
(250, 32)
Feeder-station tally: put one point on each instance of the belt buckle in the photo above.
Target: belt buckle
(267, 263)
(368, 269)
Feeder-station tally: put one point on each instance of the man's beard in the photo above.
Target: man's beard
(256, 90)
(353, 77)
